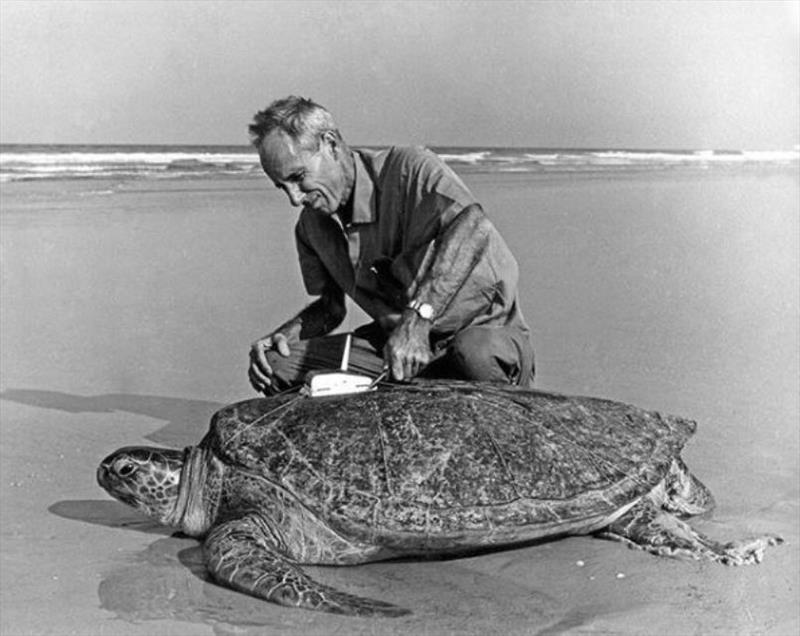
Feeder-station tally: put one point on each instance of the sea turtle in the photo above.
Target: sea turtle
(423, 469)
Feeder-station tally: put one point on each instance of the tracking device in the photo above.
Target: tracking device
(338, 381)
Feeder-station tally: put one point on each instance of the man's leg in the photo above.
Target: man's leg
(492, 354)
(322, 353)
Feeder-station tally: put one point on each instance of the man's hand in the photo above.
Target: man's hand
(408, 351)
(261, 374)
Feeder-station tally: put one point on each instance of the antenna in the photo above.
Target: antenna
(346, 355)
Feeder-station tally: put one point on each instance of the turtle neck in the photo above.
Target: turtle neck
(190, 514)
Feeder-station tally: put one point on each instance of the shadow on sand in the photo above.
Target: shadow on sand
(187, 420)
(111, 514)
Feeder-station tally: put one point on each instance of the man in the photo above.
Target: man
(400, 233)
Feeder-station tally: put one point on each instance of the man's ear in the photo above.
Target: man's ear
(333, 143)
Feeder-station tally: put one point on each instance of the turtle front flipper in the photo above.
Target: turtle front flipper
(244, 555)
(649, 527)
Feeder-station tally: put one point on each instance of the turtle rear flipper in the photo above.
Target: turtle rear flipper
(649, 527)
(242, 555)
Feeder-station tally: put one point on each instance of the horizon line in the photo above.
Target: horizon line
(795, 147)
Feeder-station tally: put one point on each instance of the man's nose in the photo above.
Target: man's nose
(295, 195)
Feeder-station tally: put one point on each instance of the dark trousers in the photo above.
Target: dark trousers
(493, 354)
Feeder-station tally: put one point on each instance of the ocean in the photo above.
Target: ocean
(32, 162)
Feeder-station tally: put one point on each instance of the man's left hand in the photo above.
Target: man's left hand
(408, 351)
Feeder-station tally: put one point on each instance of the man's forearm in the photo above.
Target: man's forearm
(317, 319)
(455, 253)
(458, 249)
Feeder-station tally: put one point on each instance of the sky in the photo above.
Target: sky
(692, 74)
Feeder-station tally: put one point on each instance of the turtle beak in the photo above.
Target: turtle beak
(107, 476)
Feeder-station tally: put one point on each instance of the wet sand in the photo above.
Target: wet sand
(127, 311)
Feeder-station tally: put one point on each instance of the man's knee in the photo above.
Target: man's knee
(492, 354)
(473, 350)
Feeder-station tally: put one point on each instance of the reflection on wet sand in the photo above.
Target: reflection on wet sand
(169, 581)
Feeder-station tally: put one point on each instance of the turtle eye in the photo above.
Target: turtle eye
(124, 467)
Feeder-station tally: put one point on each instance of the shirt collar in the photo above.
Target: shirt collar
(364, 192)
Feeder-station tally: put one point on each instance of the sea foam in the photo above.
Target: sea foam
(33, 162)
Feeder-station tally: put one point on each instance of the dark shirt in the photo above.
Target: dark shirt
(403, 199)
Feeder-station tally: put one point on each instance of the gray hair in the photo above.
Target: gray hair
(302, 119)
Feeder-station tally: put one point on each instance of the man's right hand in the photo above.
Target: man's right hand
(261, 374)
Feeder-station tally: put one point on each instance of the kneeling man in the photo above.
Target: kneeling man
(399, 232)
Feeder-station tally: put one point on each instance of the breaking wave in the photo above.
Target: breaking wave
(36, 162)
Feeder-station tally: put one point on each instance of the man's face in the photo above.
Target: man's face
(313, 178)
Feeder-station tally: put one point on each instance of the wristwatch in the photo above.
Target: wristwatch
(424, 310)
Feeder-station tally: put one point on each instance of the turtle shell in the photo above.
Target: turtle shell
(446, 458)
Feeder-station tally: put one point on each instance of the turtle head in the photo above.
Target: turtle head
(145, 478)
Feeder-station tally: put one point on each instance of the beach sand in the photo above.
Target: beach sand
(127, 311)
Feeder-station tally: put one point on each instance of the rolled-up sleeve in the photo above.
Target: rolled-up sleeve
(489, 292)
